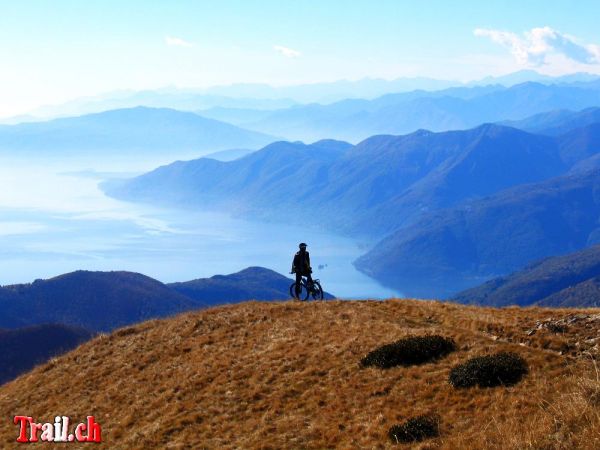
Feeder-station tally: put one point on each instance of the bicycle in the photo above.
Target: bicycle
(313, 290)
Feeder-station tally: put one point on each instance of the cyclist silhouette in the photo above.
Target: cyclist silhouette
(301, 267)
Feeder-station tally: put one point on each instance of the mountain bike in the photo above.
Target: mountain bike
(307, 290)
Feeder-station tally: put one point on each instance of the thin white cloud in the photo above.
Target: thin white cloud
(177, 42)
(535, 45)
(15, 228)
(286, 51)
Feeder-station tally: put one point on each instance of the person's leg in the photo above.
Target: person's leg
(308, 279)
(298, 280)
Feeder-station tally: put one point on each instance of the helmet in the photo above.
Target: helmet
(302, 245)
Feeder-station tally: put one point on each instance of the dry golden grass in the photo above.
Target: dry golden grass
(287, 375)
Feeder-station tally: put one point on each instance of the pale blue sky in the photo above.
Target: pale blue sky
(51, 51)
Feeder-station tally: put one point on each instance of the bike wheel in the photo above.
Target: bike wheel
(303, 291)
(317, 291)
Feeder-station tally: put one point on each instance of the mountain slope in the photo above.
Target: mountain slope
(480, 162)
(151, 130)
(250, 283)
(580, 144)
(369, 189)
(24, 348)
(102, 301)
(458, 108)
(97, 301)
(229, 155)
(459, 247)
(259, 181)
(287, 375)
(562, 281)
(557, 122)
(586, 293)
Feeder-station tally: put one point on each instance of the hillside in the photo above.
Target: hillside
(557, 122)
(251, 283)
(97, 301)
(24, 348)
(128, 131)
(368, 189)
(103, 301)
(458, 248)
(287, 375)
(560, 281)
(257, 182)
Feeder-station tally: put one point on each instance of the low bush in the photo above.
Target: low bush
(409, 351)
(487, 371)
(415, 429)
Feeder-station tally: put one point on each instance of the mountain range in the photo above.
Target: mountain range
(151, 131)
(451, 209)
(458, 247)
(454, 108)
(372, 188)
(103, 301)
(134, 132)
(251, 283)
(571, 280)
(556, 122)
(96, 301)
(263, 97)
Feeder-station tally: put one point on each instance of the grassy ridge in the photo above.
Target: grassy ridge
(287, 375)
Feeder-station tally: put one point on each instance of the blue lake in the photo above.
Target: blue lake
(54, 219)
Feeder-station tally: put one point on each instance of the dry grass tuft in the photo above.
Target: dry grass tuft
(415, 429)
(501, 369)
(409, 351)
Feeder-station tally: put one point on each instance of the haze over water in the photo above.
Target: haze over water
(55, 219)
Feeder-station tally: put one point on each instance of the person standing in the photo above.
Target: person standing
(301, 267)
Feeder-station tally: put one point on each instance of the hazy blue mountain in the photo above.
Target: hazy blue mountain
(261, 97)
(369, 189)
(426, 171)
(128, 131)
(271, 178)
(461, 206)
(457, 248)
(542, 121)
(97, 301)
(172, 98)
(253, 283)
(24, 348)
(527, 75)
(328, 92)
(353, 101)
(235, 116)
(571, 280)
(579, 120)
(355, 120)
(229, 155)
(557, 122)
(579, 145)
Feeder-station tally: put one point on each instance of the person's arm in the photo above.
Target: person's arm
(294, 264)
(308, 261)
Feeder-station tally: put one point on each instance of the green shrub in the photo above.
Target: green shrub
(415, 429)
(487, 371)
(409, 351)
